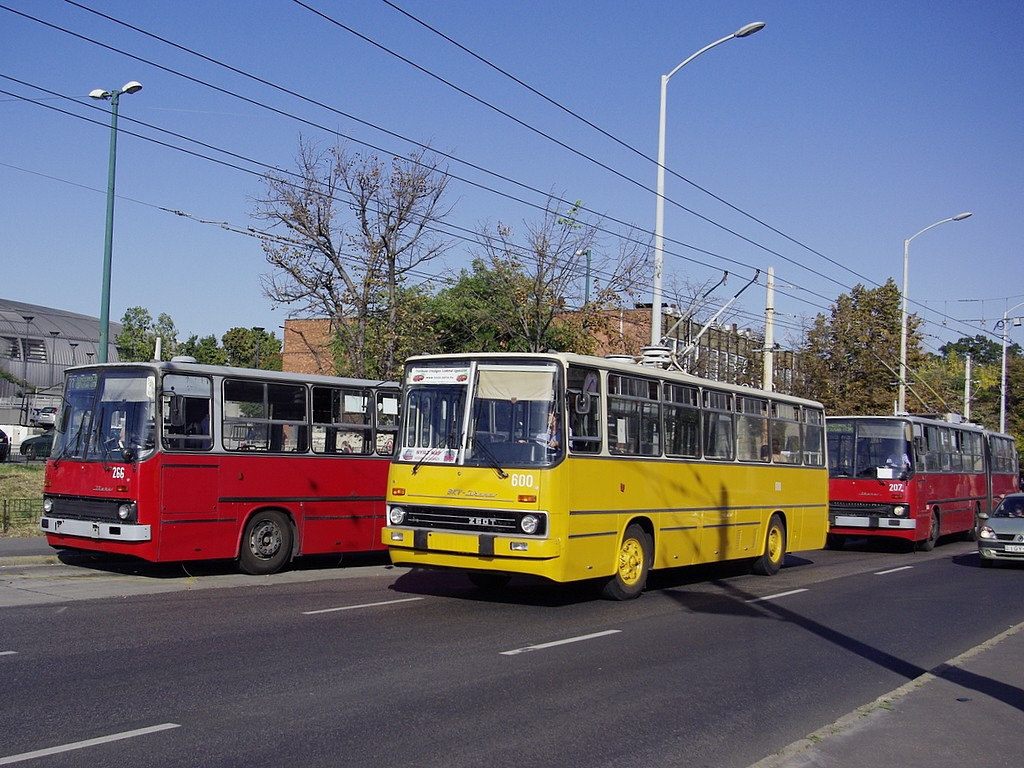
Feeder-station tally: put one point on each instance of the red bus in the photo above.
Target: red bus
(172, 461)
(913, 478)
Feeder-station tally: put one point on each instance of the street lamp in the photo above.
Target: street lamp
(53, 355)
(24, 347)
(1002, 380)
(902, 404)
(659, 219)
(108, 241)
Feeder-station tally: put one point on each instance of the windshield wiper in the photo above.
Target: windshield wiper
(492, 460)
(433, 451)
(425, 456)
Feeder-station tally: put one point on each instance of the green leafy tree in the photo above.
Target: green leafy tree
(982, 349)
(417, 334)
(139, 332)
(134, 343)
(465, 314)
(205, 350)
(850, 357)
(252, 348)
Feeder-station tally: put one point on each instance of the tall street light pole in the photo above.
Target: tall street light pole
(108, 241)
(1002, 380)
(659, 218)
(901, 406)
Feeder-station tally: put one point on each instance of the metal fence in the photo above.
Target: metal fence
(20, 515)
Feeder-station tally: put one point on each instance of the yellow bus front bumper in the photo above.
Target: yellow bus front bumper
(473, 551)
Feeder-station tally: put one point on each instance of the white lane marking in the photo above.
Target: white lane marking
(8, 653)
(363, 605)
(775, 597)
(894, 570)
(87, 743)
(568, 640)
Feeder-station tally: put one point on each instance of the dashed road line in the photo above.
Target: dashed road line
(893, 570)
(24, 756)
(361, 605)
(566, 641)
(776, 596)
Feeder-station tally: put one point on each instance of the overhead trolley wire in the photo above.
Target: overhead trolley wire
(427, 147)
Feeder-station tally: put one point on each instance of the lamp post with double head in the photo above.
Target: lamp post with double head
(108, 240)
(901, 406)
(659, 218)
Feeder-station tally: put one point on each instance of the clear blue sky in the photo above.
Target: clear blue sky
(846, 126)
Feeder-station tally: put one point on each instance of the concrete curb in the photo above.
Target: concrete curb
(30, 560)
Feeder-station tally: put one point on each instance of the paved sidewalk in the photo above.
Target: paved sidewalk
(969, 712)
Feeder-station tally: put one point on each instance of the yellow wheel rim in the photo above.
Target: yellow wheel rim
(631, 561)
(775, 544)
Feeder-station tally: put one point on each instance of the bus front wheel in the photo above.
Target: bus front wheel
(267, 543)
(632, 564)
(770, 561)
(927, 545)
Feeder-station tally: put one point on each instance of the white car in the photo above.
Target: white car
(46, 417)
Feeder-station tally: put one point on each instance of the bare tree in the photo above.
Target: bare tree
(354, 229)
(559, 284)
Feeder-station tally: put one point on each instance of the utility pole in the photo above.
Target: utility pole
(769, 333)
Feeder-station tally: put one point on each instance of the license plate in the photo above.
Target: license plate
(1014, 547)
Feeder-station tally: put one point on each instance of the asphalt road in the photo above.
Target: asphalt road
(370, 665)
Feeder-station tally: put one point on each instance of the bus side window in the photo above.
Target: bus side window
(583, 399)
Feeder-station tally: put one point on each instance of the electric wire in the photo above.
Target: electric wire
(453, 158)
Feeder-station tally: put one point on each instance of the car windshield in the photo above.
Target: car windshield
(1012, 506)
(107, 415)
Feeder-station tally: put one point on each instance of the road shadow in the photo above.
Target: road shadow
(521, 590)
(973, 560)
(734, 600)
(126, 565)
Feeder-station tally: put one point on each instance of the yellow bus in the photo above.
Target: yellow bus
(572, 467)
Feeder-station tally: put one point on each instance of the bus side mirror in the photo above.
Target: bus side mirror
(176, 410)
(581, 403)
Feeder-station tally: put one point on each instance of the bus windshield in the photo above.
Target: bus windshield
(876, 448)
(510, 418)
(107, 416)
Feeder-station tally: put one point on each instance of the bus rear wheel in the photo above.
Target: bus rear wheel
(266, 544)
(770, 561)
(632, 565)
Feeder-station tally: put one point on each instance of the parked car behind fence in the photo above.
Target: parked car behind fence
(38, 446)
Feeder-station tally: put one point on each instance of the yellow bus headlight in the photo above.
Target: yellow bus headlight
(396, 515)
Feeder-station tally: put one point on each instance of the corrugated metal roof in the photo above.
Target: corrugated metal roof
(51, 339)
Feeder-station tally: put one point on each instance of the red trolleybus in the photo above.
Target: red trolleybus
(178, 461)
(913, 478)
